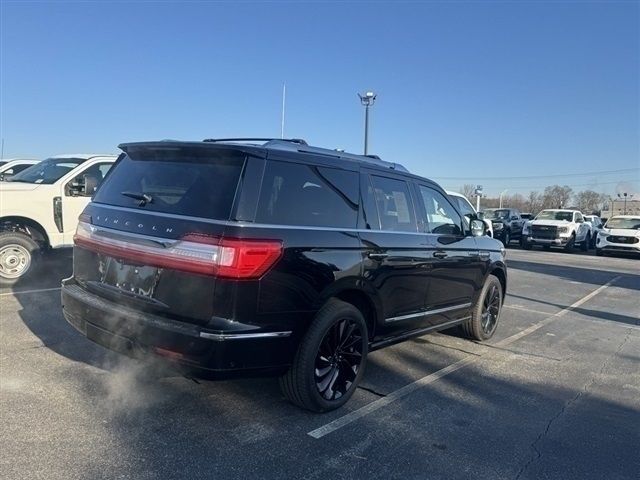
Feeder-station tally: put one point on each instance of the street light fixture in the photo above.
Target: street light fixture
(367, 100)
(625, 195)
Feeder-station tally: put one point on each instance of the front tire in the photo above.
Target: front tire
(486, 312)
(17, 257)
(599, 252)
(330, 361)
(584, 246)
(506, 239)
(572, 241)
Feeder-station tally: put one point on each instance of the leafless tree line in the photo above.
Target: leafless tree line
(554, 196)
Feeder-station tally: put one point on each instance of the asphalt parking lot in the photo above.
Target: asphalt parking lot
(556, 394)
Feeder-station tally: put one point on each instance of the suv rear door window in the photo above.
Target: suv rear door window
(194, 182)
(308, 195)
(395, 208)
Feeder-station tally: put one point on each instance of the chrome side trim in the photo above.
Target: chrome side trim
(428, 313)
(242, 224)
(221, 337)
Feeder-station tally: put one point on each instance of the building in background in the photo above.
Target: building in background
(617, 207)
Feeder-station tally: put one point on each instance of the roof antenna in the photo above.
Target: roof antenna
(284, 96)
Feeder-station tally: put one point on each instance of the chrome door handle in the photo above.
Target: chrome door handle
(440, 254)
(377, 256)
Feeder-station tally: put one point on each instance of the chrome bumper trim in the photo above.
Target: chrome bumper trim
(221, 337)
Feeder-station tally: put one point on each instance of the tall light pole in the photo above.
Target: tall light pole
(501, 194)
(625, 194)
(367, 100)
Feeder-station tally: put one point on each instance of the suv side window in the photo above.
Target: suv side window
(578, 218)
(95, 172)
(394, 205)
(308, 195)
(442, 218)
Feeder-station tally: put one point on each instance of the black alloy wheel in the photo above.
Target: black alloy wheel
(485, 315)
(491, 310)
(339, 359)
(330, 360)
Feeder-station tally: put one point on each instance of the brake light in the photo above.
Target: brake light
(221, 257)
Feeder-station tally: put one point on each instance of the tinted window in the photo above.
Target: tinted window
(195, 182)
(48, 171)
(18, 168)
(463, 205)
(307, 195)
(441, 216)
(394, 205)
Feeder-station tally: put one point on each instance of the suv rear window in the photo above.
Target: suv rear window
(308, 195)
(194, 182)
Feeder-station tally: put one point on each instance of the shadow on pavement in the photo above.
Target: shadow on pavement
(576, 274)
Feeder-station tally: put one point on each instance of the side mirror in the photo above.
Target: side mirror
(477, 228)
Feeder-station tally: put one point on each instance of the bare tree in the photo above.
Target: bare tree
(468, 191)
(589, 201)
(556, 196)
(534, 202)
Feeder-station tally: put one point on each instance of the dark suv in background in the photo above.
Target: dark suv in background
(507, 224)
(275, 258)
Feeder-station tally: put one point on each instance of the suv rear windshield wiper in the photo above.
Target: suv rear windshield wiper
(143, 197)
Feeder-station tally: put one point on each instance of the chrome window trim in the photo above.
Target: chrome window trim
(428, 313)
(221, 337)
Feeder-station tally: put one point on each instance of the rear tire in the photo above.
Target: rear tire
(18, 254)
(330, 360)
(486, 312)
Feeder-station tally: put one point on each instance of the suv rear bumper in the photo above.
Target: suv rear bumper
(209, 353)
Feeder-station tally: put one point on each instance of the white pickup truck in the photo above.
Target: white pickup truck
(39, 208)
(557, 228)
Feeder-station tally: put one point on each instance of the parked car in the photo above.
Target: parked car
(507, 224)
(595, 222)
(39, 209)
(468, 210)
(12, 167)
(557, 228)
(275, 258)
(621, 233)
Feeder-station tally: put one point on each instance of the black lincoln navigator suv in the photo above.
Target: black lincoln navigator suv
(275, 258)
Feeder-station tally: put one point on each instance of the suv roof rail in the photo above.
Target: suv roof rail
(298, 141)
(300, 145)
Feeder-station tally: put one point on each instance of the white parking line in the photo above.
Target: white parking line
(407, 389)
(29, 291)
(525, 309)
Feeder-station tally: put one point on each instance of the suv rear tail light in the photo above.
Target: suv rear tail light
(221, 257)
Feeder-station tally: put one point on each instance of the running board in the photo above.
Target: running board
(415, 333)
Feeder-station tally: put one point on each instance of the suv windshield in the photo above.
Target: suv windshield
(624, 223)
(187, 181)
(555, 215)
(496, 214)
(48, 171)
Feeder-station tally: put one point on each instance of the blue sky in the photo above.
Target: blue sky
(465, 89)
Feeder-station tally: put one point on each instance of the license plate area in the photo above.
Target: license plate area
(138, 280)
